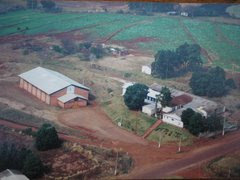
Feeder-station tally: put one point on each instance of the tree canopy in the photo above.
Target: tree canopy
(47, 138)
(211, 83)
(168, 63)
(135, 95)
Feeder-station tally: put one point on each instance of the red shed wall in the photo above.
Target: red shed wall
(54, 96)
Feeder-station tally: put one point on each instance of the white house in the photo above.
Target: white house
(147, 69)
(172, 119)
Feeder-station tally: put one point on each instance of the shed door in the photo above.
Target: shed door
(70, 89)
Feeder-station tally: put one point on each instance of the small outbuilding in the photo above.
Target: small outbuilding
(147, 69)
(54, 88)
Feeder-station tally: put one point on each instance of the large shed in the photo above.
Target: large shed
(54, 88)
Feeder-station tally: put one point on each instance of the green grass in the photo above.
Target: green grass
(167, 32)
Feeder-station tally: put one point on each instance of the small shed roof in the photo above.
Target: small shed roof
(12, 175)
(67, 97)
(49, 81)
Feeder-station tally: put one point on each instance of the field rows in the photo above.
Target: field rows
(221, 41)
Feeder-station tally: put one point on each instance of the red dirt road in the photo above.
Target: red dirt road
(223, 146)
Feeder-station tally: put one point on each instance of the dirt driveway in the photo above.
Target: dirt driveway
(93, 121)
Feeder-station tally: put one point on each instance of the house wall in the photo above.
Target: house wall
(81, 92)
(54, 96)
(170, 120)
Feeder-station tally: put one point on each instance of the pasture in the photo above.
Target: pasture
(220, 41)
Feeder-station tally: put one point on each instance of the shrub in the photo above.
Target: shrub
(29, 131)
(58, 49)
(47, 138)
(33, 166)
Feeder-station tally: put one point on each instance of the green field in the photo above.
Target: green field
(221, 41)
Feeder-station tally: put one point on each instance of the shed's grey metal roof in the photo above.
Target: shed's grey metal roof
(12, 175)
(49, 81)
(67, 97)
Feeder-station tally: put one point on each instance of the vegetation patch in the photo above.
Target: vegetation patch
(168, 133)
(225, 166)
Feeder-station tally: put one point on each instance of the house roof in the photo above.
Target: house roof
(49, 81)
(67, 97)
(181, 100)
(12, 175)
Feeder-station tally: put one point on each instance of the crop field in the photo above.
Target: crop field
(148, 33)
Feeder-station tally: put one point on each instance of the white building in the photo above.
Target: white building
(172, 119)
(147, 69)
(184, 14)
(125, 86)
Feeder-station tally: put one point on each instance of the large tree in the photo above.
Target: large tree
(135, 95)
(186, 116)
(196, 124)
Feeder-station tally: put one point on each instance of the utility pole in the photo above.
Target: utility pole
(116, 165)
(159, 140)
(179, 145)
(223, 131)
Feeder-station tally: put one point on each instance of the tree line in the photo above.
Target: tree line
(200, 10)
(169, 63)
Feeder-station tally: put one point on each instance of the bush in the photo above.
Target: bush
(29, 132)
(33, 166)
(58, 49)
(47, 138)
